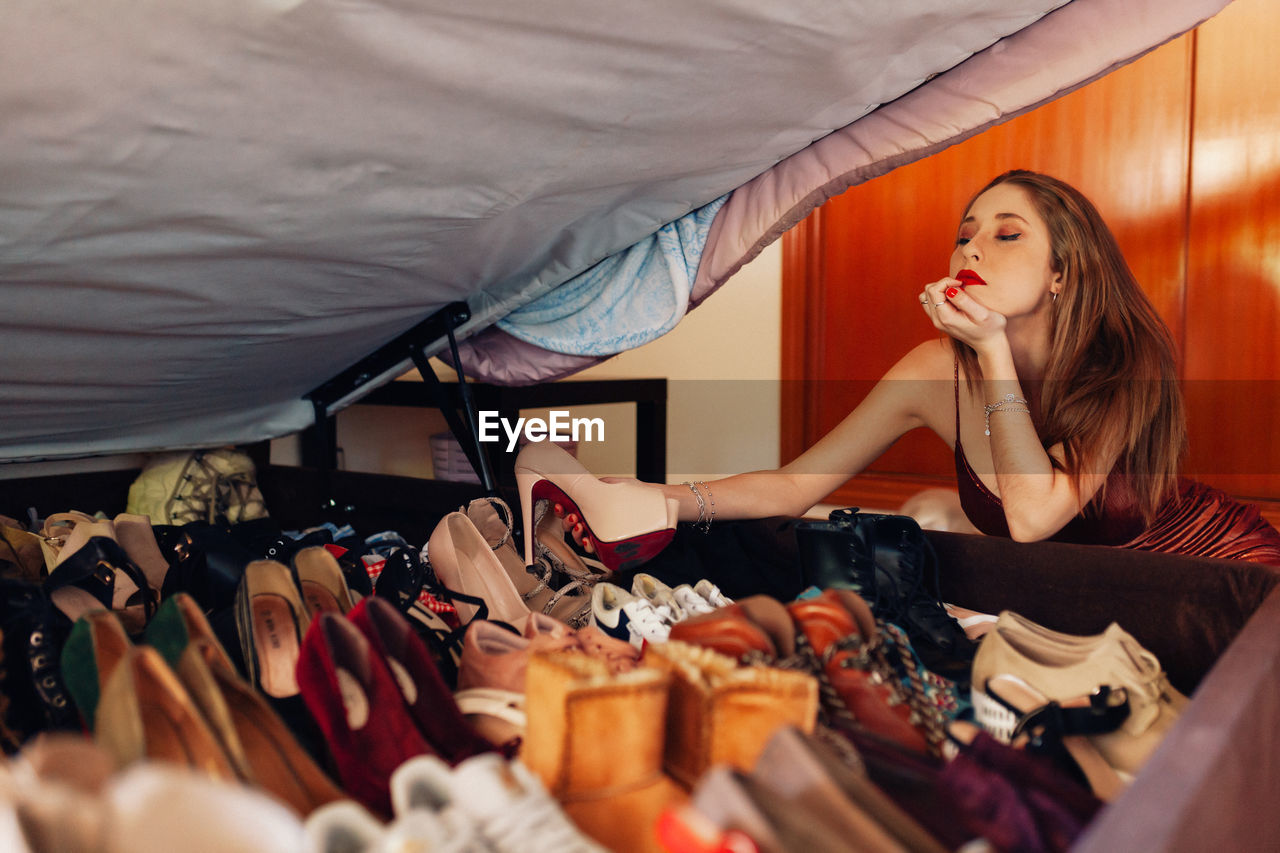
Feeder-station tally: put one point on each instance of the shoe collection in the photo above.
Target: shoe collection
(368, 696)
(492, 674)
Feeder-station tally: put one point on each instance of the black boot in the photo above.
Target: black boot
(884, 558)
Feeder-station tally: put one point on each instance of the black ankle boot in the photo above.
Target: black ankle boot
(884, 558)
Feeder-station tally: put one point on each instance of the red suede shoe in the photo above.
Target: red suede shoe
(352, 694)
(426, 695)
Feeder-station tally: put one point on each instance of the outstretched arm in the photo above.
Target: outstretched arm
(892, 408)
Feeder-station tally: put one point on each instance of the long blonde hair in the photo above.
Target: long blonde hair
(1111, 380)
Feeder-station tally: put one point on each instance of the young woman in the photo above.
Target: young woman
(1055, 384)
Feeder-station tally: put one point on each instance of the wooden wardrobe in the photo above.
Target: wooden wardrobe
(1179, 150)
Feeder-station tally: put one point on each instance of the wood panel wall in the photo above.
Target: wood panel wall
(1180, 151)
(1232, 310)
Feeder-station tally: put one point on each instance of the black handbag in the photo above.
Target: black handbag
(886, 559)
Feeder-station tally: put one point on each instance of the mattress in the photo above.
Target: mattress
(207, 210)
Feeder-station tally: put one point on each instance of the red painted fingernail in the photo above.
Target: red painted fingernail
(951, 292)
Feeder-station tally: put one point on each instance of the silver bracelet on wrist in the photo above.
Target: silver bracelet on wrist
(703, 524)
(702, 504)
(1007, 403)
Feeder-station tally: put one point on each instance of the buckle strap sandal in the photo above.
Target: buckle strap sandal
(1102, 714)
(1015, 712)
(570, 604)
(1066, 669)
(463, 562)
(94, 571)
(494, 521)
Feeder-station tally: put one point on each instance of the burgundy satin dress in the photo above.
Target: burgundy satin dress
(1199, 520)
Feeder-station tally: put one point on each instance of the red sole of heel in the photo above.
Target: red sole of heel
(618, 555)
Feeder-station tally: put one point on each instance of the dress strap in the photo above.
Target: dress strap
(957, 389)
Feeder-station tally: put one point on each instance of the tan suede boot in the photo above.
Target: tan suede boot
(722, 713)
(596, 741)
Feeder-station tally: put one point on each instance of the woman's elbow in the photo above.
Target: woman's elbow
(793, 508)
(1028, 529)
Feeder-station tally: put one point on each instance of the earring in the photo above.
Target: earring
(1055, 297)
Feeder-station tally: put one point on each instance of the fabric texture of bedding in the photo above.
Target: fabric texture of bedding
(208, 210)
(628, 299)
(988, 88)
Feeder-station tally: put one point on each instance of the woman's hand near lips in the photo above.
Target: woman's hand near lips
(958, 314)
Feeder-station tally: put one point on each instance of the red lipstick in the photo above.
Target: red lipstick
(968, 277)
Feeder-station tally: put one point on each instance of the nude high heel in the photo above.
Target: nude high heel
(464, 563)
(628, 523)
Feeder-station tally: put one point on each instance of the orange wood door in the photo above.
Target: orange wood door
(1233, 281)
(853, 270)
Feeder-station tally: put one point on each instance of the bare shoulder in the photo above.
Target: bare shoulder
(927, 375)
(932, 360)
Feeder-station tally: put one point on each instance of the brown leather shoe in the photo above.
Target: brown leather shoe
(757, 626)
(831, 630)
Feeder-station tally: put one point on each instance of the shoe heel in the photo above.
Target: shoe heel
(526, 479)
(627, 523)
(464, 563)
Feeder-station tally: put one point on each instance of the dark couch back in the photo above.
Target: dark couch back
(1185, 610)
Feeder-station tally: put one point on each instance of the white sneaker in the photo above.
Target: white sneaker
(711, 593)
(427, 817)
(513, 810)
(690, 602)
(627, 617)
(156, 807)
(342, 826)
(658, 594)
